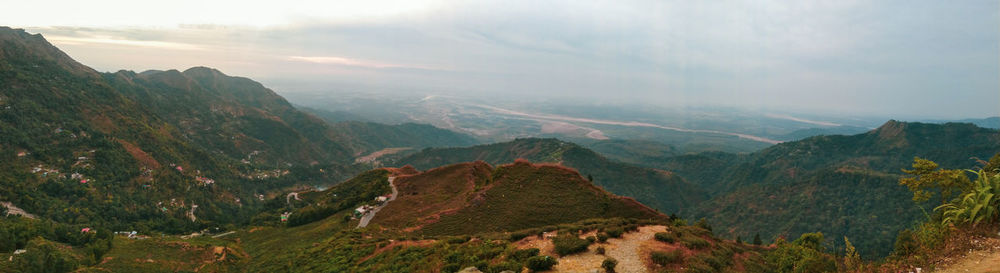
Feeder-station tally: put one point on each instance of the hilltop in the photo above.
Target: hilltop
(657, 188)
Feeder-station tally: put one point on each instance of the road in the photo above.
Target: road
(371, 214)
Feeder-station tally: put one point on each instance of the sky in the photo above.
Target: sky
(919, 59)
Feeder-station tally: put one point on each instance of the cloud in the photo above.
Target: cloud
(122, 42)
(356, 62)
(859, 57)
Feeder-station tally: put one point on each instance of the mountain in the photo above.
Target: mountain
(657, 188)
(990, 122)
(521, 195)
(839, 185)
(466, 215)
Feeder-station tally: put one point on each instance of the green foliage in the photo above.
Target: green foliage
(802, 255)
(668, 257)
(694, 242)
(569, 244)
(852, 261)
(523, 254)
(811, 240)
(541, 263)
(926, 177)
(615, 232)
(975, 205)
(609, 264)
(43, 257)
(666, 237)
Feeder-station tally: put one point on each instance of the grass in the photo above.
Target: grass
(667, 257)
(524, 195)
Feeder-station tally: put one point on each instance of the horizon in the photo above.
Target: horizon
(917, 61)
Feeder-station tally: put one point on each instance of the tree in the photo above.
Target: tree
(609, 264)
(739, 241)
(851, 258)
(925, 178)
(756, 239)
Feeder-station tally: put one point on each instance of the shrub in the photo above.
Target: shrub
(694, 242)
(505, 266)
(591, 239)
(601, 237)
(609, 264)
(976, 205)
(541, 263)
(523, 254)
(599, 250)
(665, 258)
(517, 236)
(665, 237)
(457, 240)
(569, 244)
(615, 232)
(450, 268)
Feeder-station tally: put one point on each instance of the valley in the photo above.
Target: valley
(201, 171)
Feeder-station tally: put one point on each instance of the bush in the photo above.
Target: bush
(665, 258)
(569, 244)
(615, 232)
(694, 242)
(601, 237)
(665, 237)
(541, 263)
(609, 264)
(591, 239)
(458, 240)
(505, 266)
(517, 236)
(523, 254)
(599, 250)
(450, 268)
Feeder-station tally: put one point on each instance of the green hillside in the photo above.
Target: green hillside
(657, 188)
(839, 185)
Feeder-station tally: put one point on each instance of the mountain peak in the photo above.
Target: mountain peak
(20, 47)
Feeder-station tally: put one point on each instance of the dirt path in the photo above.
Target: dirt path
(12, 209)
(627, 250)
(977, 261)
(371, 214)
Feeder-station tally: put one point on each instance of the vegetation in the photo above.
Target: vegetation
(541, 263)
(569, 244)
(609, 264)
(656, 188)
(668, 257)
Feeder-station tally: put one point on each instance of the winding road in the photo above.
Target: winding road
(371, 214)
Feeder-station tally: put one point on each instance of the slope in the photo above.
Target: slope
(840, 185)
(156, 151)
(445, 200)
(657, 188)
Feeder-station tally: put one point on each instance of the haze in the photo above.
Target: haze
(929, 59)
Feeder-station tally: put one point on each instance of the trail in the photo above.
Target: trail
(224, 234)
(977, 261)
(371, 214)
(12, 209)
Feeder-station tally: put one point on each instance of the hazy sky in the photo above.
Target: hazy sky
(895, 58)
